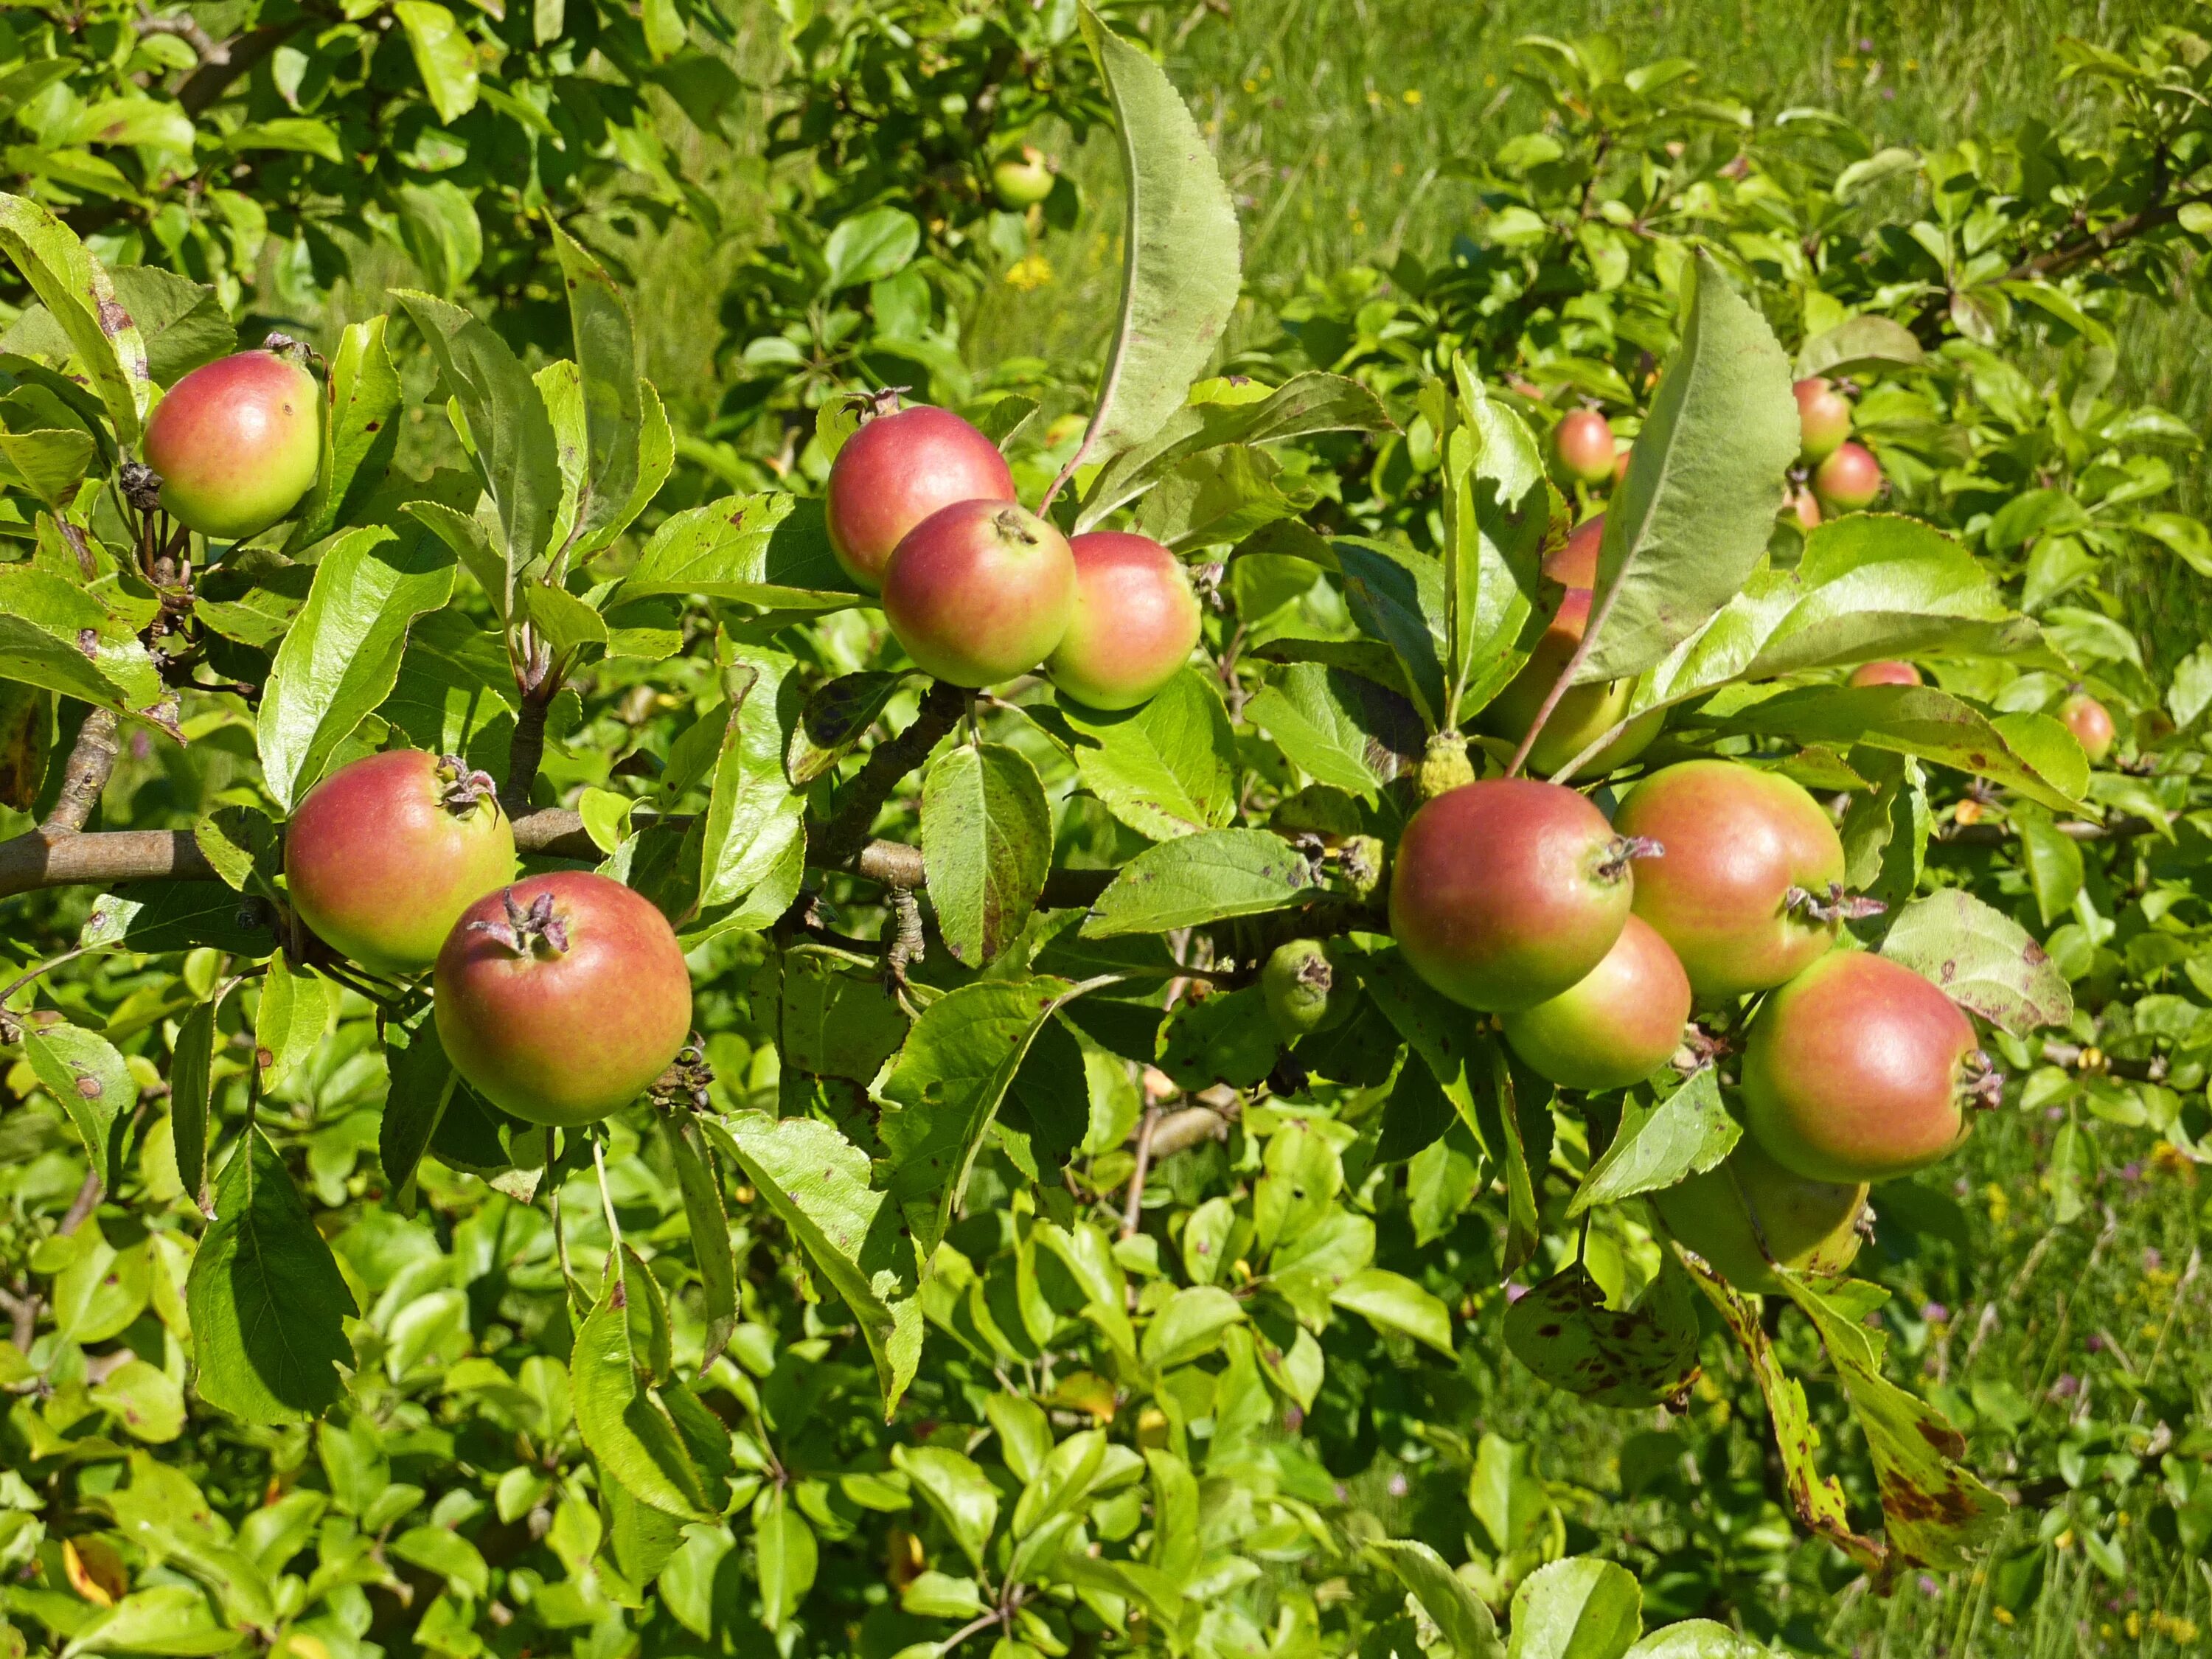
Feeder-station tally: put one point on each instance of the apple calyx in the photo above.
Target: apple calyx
(463, 786)
(686, 1080)
(525, 931)
(1981, 1083)
(1622, 850)
(1838, 906)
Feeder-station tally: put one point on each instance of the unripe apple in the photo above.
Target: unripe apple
(1740, 845)
(1848, 480)
(1823, 417)
(563, 997)
(1805, 507)
(1584, 441)
(1134, 624)
(1303, 991)
(1614, 1026)
(237, 442)
(383, 855)
(980, 592)
(2091, 723)
(1890, 672)
(1022, 177)
(1507, 891)
(1583, 712)
(1858, 1070)
(897, 471)
(1749, 1215)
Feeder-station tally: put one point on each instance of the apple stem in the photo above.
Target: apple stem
(1838, 906)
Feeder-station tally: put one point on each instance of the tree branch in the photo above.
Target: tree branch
(836, 844)
(85, 773)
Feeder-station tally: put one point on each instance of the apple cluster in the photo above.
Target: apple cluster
(921, 511)
(1591, 942)
(560, 998)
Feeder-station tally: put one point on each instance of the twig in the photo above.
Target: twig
(837, 843)
(1132, 1209)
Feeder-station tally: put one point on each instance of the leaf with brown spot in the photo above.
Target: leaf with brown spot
(1563, 1331)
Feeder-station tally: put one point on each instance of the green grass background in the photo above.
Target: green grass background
(1335, 119)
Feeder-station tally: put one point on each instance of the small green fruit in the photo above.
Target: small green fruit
(1303, 991)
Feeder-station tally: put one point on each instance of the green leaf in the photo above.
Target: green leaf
(754, 818)
(1690, 522)
(1337, 728)
(1166, 767)
(1583, 1608)
(267, 1303)
(1468, 1630)
(145, 1398)
(770, 550)
(1179, 275)
(627, 1429)
(190, 1095)
(1982, 960)
(77, 289)
(837, 716)
(50, 464)
(709, 1226)
(1937, 1512)
(1201, 878)
(1860, 345)
(1188, 1325)
(565, 623)
(445, 57)
(607, 356)
(960, 1493)
(1497, 507)
(1225, 1037)
(817, 1183)
(422, 1081)
(1392, 1301)
(341, 658)
(784, 1560)
(183, 322)
(510, 434)
(1658, 1145)
(956, 1066)
(84, 1073)
(1697, 1638)
(869, 247)
(165, 1618)
(1647, 1355)
(296, 1009)
(986, 847)
(361, 432)
(2031, 753)
(2053, 860)
(1397, 595)
(940, 1596)
(54, 634)
(1302, 406)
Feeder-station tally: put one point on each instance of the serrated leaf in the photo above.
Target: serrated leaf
(1860, 345)
(49, 464)
(54, 634)
(84, 1073)
(1179, 273)
(341, 658)
(2033, 754)
(1690, 522)
(817, 1182)
(1166, 767)
(1337, 728)
(1460, 1618)
(1982, 960)
(1392, 1301)
(360, 431)
(78, 291)
(837, 716)
(1201, 878)
(1498, 510)
(627, 1430)
(1582, 1608)
(753, 817)
(267, 1302)
(510, 434)
(190, 1095)
(1397, 595)
(960, 1493)
(445, 57)
(710, 1225)
(603, 478)
(1659, 1143)
(296, 1008)
(769, 550)
(986, 847)
(956, 1066)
